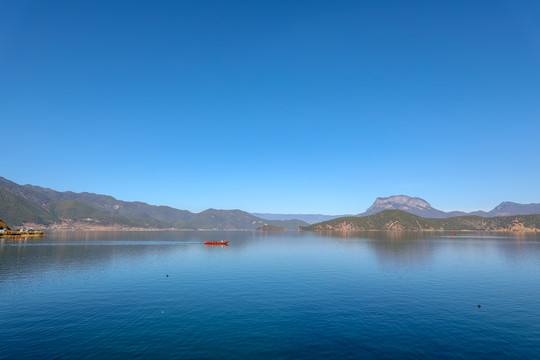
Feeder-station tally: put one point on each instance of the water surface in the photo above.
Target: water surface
(106, 295)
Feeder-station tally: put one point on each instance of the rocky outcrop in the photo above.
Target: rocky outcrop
(406, 203)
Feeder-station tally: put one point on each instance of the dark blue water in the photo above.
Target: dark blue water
(270, 296)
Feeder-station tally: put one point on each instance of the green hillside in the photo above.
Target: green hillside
(224, 219)
(26, 192)
(398, 220)
(109, 205)
(29, 203)
(288, 224)
(73, 209)
(15, 210)
(235, 219)
(78, 211)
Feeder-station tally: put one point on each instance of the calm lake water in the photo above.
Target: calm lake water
(106, 295)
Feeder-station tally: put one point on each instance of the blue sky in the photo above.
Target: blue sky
(274, 106)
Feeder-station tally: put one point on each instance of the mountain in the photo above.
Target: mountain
(16, 210)
(412, 205)
(422, 208)
(399, 220)
(34, 204)
(110, 205)
(235, 219)
(26, 192)
(309, 218)
(510, 208)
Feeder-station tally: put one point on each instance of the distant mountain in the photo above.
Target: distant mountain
(309, 218)
(34, 204)
(510, 208)
(422, 208)
(235, 219)
(21, 204)
(412, 205)
(399, 220)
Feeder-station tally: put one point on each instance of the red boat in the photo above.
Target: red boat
(223, 243)
(453, 234)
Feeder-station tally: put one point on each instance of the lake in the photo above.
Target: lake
(291, 295)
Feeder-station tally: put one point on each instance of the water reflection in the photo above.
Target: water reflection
(97, 249)
(394, 249)
(22, 258)
(415, 249)
(329, 295)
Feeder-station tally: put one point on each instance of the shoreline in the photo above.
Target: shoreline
(118, 229)
(11, 234)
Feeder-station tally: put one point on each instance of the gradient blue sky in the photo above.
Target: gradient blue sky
(274, 106)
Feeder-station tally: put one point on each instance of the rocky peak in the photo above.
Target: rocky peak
(400, 202)
(511, 208)
(503, 205)
(412, 205)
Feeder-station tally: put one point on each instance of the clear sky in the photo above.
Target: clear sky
(274, 106)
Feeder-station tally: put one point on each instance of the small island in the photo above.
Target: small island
(399, 220)
(267, 227)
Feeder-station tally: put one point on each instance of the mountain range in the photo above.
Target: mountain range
(422, 208)
(23, 204)
(416, 206)
(20, 204)
(309, 218)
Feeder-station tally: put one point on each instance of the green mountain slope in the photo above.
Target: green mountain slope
(15, 210)
(288, 224)
(235, 219)
(25, 192)
(109, 205)
(73, 209)
(398, 220)
(29, 203)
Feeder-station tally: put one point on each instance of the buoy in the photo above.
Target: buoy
(167, 275)
(453, 234)
(479, 306)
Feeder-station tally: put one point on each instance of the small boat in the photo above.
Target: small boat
(222, 242)
(452, 234)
